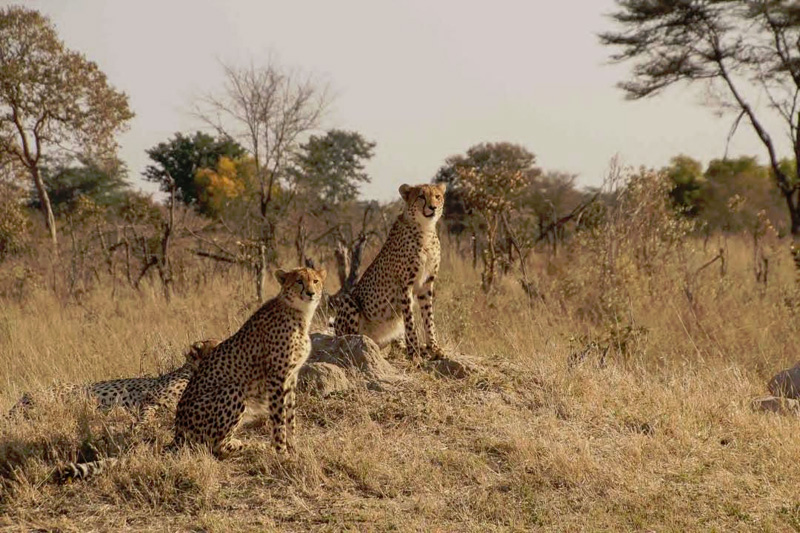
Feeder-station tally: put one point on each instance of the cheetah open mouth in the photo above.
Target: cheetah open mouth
(426, 215)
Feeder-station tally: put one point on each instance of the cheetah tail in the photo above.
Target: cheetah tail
(81, 471)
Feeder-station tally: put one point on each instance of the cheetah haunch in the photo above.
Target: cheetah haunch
(405, 269)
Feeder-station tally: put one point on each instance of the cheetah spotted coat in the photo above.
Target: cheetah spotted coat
(256, 367)
(380, 303)
(142, 396)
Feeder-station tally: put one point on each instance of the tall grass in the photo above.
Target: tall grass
(659, 437)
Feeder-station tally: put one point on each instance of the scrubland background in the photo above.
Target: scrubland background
(616, 335)
(613, 394)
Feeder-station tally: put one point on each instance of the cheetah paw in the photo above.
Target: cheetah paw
(434, 352)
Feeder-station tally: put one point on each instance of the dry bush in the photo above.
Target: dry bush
(14, 223)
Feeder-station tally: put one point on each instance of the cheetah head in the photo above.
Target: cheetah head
(199, 350)
(424, 203)
(301, 287)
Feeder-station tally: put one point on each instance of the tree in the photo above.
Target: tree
(182, 156)
(489, 180)
(730, 195)
(14, 223)
(553, 200)
(268, 109)
(686, 176)
(736, 191)
(105, 185)
(52, 100)
(738, 46)
(231, 182)
(332, 166)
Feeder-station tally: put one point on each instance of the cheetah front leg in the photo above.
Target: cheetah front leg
(425, 298)
(412, 341)
(277, 405)
(291, 420)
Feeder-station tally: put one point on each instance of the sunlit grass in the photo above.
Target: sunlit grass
(662, 437)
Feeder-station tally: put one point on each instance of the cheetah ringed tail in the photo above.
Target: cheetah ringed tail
(81, 471)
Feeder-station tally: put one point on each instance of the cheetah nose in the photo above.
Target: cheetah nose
(310, 294)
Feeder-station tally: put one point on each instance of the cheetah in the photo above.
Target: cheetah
(143, 396)
(257, 367)
(380, 303)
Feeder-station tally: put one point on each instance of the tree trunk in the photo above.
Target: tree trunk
(47, 208)
(266, 256)
(474, 242)
(300, 243)
(261, 271)
(793, 203)
(342, 264)
(165, 266)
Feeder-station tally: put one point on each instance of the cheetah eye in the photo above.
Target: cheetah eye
(299, 281)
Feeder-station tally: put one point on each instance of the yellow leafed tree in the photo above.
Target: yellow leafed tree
(218, 187)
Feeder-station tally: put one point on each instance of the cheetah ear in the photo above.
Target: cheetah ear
(195, 352)
(208, 345)
(405, 190)
(441, 186)
(322, 274)
(280, 275)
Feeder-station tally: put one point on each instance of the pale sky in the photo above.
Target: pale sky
(424, 79)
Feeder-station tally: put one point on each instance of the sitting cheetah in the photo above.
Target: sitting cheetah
(257, 367)
(141, 395)
(406, 267)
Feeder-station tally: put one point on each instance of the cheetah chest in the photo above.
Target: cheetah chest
(428, 261)
(301, 352)
(298, 351)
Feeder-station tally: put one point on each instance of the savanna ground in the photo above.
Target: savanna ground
(660, 437)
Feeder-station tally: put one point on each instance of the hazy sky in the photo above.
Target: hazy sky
(424, 79)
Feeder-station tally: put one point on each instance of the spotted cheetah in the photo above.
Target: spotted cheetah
(406, 267)
(142, 396)
(257, 367)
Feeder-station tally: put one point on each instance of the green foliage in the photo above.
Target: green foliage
(737, 190)
(551, 195)
(728, 195)
(491, 176)
(182, 156)
(14, 224)
(747, 49)
(687, 179)
(139, 208)
(331, 167)
(104, 185)
(488, 182)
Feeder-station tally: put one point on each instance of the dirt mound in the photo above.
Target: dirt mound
(341, 363)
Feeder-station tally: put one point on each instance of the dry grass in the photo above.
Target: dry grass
(662, 438)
